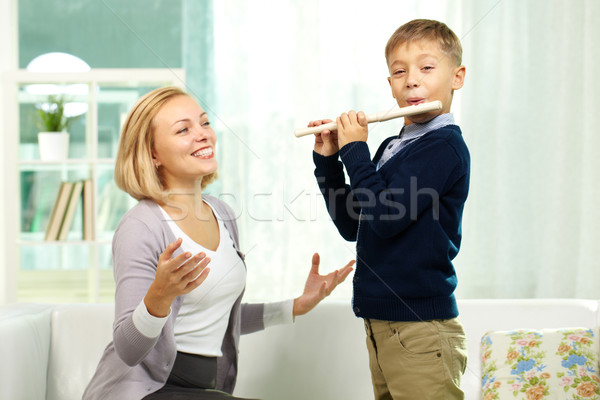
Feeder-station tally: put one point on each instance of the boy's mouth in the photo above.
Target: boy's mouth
(412, 101)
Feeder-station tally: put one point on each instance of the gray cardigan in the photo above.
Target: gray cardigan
(134, 365)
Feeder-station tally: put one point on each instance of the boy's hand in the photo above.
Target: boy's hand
(326, 142)
(352, 127)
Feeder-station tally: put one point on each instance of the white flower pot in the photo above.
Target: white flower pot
(54, 146)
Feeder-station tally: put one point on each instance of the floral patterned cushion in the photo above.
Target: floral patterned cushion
(535, 365)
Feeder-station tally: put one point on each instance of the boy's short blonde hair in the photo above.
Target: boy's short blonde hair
(426, 29)
(135, 172)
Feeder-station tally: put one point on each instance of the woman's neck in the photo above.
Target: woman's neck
(182, 203)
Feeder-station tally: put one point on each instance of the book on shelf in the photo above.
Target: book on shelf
(69, 214)
(58, 211)
(88, 210)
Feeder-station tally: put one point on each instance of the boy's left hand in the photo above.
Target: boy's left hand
(352, 127)
(319, 286)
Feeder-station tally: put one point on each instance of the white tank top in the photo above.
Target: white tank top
(202, 320)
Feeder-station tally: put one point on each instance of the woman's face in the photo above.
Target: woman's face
(184, 143)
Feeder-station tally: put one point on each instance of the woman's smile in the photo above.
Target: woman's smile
(205, 152)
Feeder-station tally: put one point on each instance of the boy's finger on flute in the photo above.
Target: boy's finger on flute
(352, 127)
(326, 140)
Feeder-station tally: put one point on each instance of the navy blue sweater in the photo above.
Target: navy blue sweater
(406, 220)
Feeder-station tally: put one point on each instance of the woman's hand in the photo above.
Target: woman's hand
(326, 142)
(319, 286)
(175, 276)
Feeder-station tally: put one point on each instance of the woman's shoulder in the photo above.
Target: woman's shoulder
(146, 213)
(142, 229)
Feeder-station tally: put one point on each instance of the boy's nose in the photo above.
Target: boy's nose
(412, 82)
(412, 79)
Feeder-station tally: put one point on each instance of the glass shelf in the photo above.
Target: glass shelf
(70, 161)
(49, 269)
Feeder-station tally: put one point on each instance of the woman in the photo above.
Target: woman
(177, 320)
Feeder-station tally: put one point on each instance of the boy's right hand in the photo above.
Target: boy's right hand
(326, 142)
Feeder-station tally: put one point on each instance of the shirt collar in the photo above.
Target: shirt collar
(415, 130)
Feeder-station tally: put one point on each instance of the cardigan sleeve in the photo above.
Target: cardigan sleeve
(135, 256)
(259, 316)
(391, 203)
(146, 323)
(279, 313)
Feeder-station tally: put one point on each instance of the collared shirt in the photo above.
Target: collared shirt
(411, 133)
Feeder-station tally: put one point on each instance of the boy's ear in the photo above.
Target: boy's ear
(390, 82)
(459, 77)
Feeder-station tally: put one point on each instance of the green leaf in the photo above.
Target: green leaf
(534, 380)
(53, 118)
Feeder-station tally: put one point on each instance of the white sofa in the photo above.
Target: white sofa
(50, 351)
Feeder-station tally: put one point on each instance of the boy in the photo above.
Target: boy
(404, 210)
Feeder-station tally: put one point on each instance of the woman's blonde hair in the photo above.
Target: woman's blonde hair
(427, 29)
(135, 172)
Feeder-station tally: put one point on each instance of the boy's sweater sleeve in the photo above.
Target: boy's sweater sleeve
(390, 205)
(341, 204)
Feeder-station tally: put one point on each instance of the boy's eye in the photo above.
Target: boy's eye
(399, 72)
(207, 123)
(182, 130)
(428, 68)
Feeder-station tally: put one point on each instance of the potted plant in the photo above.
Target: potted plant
(53, 138)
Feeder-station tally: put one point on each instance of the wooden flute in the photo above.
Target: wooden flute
(377, 117)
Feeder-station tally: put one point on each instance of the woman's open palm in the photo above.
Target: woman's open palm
(318, 286)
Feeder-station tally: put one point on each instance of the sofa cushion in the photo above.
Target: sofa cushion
(540, 364)
(482, 315)
(322, 356)
(80, 332)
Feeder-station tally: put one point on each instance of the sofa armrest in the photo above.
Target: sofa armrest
(24, 345)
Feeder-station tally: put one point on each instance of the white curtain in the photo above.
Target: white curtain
(528, 113)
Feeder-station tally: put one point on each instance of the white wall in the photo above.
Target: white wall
(8, 61)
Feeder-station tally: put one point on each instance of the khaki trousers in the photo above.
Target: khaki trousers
(416, 360)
